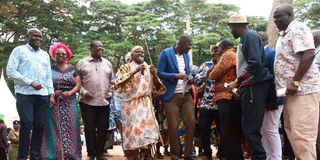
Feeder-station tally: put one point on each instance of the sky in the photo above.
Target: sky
(248, 7)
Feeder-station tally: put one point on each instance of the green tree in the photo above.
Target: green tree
(308, 11)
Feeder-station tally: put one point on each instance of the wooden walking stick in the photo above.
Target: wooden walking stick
(145, 40)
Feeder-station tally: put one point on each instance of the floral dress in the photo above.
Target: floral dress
(62, 131)
(139, 125)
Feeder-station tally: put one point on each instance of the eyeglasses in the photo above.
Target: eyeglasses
(60, 54)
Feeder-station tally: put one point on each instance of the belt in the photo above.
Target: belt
(182, 93)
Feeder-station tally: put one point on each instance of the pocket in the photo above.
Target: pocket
(272, 99)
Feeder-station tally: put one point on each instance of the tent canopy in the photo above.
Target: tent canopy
(8, 109)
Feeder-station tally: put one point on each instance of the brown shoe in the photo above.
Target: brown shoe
(132, 154)
(146, 153)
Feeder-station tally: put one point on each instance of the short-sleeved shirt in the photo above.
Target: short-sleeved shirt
(296, 38)
(207, 99)
(96, 76)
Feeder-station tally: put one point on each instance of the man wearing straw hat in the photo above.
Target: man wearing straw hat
(254, 80)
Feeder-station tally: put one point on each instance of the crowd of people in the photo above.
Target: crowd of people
(241, 93)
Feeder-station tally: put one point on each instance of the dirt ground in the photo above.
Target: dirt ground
(117, 154)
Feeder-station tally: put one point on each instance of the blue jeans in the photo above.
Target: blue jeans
(31, 109)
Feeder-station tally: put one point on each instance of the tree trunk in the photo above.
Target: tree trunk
(272, 29)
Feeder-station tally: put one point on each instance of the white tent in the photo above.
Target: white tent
(8, 107)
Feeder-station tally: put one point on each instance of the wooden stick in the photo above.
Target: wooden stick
(145, 40)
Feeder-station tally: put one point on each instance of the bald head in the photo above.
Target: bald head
(32, 30)
(316, 37)
(184, 44)
(282, 16)
(185, 37)
(285, 8)
(34, 36)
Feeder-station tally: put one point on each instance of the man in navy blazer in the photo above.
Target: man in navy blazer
(174, 71)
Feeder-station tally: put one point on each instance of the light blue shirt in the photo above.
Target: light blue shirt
(25, 66)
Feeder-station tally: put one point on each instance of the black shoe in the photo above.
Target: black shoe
(159, 155)
(284, 157)
(101, 157)
(166, 152)
(189, 158)
(207, 158)
(91, 157)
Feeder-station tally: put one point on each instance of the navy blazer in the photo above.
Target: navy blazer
(270, 54)
(168, 68)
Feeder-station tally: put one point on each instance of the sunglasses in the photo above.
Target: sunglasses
(60, 54)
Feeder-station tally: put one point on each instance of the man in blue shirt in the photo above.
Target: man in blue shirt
(29, 67)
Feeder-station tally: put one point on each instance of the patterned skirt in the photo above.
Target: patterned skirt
(62, 131)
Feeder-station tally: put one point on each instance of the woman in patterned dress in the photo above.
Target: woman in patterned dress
(137, 81)
(62, 133)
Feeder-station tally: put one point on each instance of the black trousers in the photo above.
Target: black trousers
(254, 102)
(96, 123)
(231, 132)
(3, 154)
(206, 118)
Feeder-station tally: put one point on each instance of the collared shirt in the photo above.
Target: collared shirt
(296, 38)
(27, 65)
(96, 76)
(207, 99)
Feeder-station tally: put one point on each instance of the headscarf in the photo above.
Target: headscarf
(135, 48)
(55, 46)
(127, 57)
(15, 122)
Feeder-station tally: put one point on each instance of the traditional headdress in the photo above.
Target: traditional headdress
(135, 48)
(127, 57)
(55, 46)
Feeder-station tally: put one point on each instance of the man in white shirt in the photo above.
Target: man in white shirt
(29, 67)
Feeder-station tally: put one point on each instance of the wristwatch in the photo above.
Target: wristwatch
(295, 83)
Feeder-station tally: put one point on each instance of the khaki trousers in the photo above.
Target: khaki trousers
(183, 104)
(301, 116)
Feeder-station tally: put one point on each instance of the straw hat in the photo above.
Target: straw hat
(238, 19)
